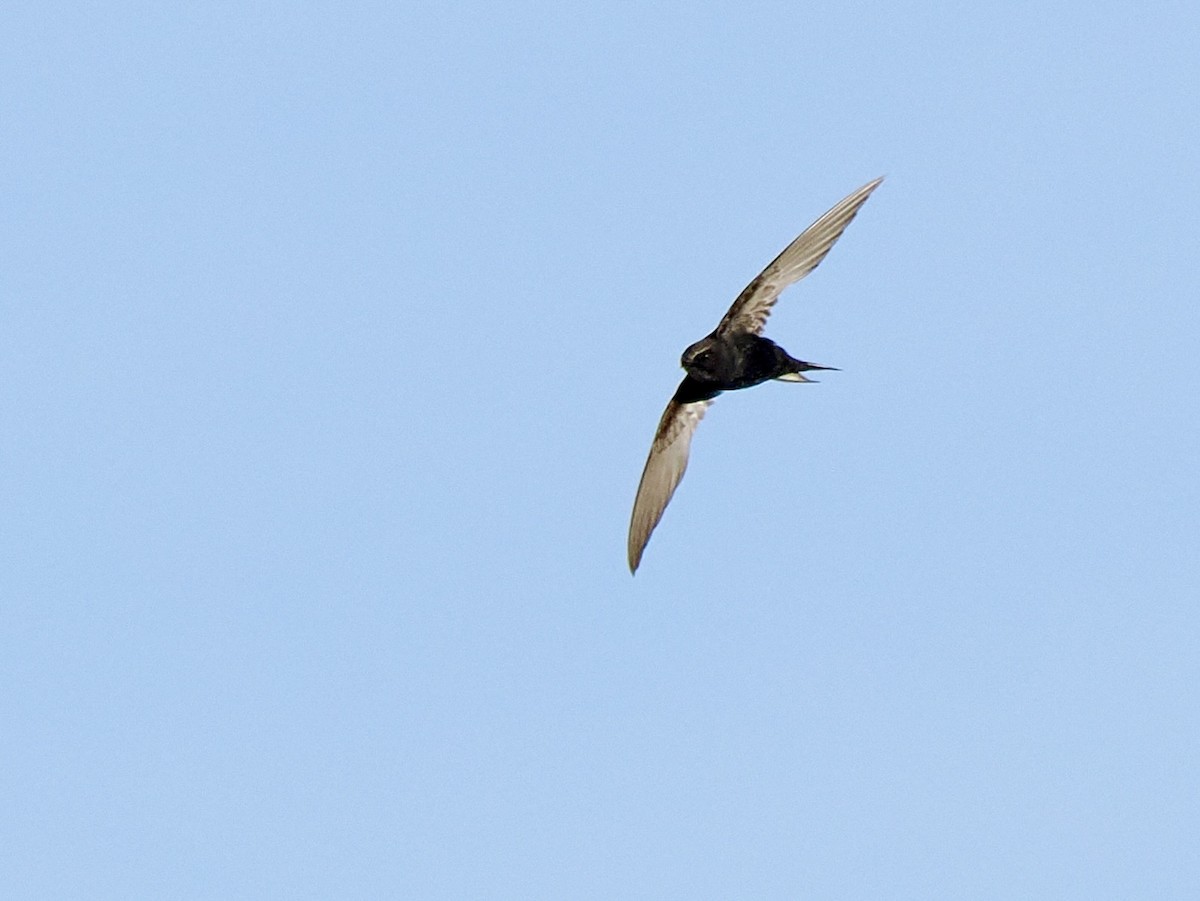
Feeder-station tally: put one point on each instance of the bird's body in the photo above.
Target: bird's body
(732, 357)
(740, 360)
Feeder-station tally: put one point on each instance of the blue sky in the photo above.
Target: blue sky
(334, 338)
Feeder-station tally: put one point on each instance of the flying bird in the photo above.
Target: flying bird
(733, 356)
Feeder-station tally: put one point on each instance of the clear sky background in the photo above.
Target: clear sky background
(334, 336)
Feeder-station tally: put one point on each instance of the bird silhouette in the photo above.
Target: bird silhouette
(733, 356)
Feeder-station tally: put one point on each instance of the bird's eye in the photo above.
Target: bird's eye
(704, 356)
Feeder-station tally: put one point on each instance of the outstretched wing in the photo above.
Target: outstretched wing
(664, 468)
(750, 311)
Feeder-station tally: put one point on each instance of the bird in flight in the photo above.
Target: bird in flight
(733, 356)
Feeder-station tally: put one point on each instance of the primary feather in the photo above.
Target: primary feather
(750, 311)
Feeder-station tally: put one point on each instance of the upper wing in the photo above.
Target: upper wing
(664, 468)
(750, 311)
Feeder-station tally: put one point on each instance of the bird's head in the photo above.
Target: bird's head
(702, 360)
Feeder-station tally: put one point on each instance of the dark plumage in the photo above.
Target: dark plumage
(734, 356)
